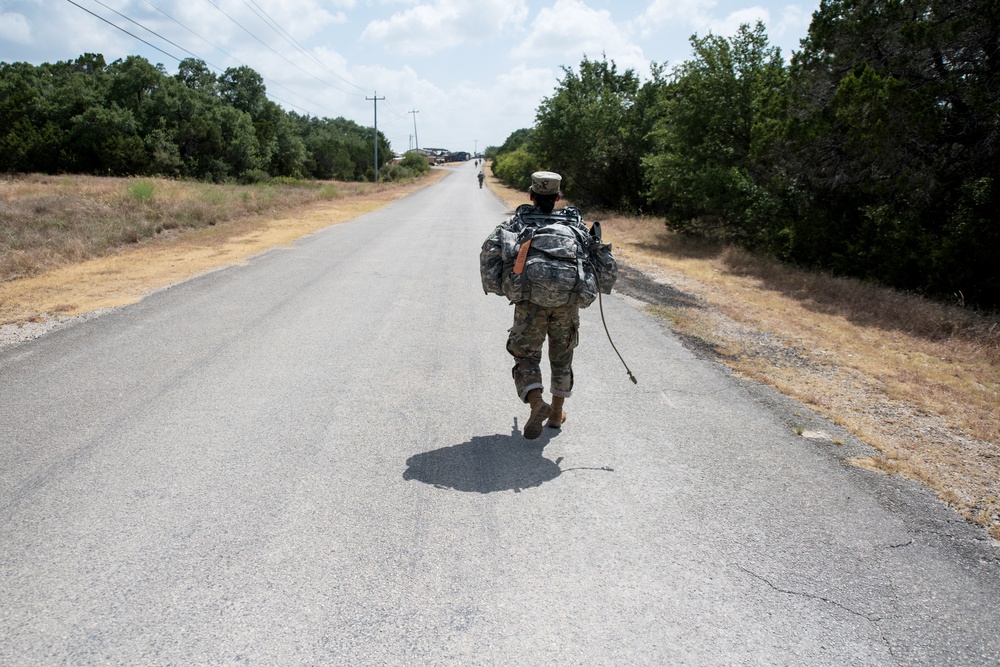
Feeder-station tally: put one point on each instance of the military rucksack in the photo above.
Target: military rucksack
(565, 263)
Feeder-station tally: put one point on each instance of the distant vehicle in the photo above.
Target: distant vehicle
(441, 155)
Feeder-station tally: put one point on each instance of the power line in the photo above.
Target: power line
(216, 67)
(211, 44)
(170, 55)
(229, 55)
(274, 25)
(269, 48)
(398, 115)
(151, 31)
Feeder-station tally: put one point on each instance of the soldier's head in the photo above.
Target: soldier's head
(544, 190)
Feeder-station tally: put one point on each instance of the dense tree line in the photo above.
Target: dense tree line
(872, 153)
(132, 118)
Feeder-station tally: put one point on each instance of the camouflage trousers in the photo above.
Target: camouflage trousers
(532, 324)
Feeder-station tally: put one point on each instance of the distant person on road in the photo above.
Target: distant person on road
(560, 266)
(481, 177)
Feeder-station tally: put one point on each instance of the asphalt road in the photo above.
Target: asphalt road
(315, 459)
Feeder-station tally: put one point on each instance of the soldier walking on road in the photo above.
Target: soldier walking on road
(481, 177)
(560, 265)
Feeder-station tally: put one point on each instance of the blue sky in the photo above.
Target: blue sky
(472, 70)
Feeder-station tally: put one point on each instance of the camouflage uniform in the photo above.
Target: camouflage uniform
(523, 279)
(531, 326)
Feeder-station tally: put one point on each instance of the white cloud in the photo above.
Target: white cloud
(730, 25)
(15, 28)
(217, 23)
(300, 19)
(673, 12)
(794, 23)
(428, 28)
(526, 81)
(700, 16)
(568, 30)
(514, 97)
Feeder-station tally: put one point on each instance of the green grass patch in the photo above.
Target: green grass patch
(329, 192)
(142, 191)
(213, 194)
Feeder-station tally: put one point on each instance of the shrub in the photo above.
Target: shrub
(415, 162)
(252, 176)
(515, 168)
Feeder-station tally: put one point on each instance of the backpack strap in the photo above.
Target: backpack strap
(522, 253)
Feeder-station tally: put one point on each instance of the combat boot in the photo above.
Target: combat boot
(558, 416)
(539, 411)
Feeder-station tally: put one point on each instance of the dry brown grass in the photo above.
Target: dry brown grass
(49, 221)
(917, 380)
(239, 222)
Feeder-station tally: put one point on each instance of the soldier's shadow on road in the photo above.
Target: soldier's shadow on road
(486, 464)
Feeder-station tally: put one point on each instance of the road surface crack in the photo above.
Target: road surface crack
(811, 596)
(871, 618)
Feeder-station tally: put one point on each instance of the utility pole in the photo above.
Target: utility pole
(415, 140)
(475, 151)
(375, 141)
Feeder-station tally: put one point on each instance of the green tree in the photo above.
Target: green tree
(132, 81)
(593, 129)
(196, 75)
(21, 135)
(340, 149)
(105, 140)
(130, 117)
(27, 146)
(705, 171)
(288, 155)
(516, 139)
(200, 144)
(163, 154)
(892, 134)
(243, 88)
(240, 149)
(37, 108)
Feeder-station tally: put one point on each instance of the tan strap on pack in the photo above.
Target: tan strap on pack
(522, 257)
